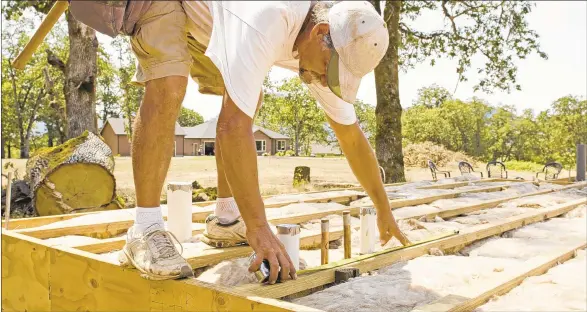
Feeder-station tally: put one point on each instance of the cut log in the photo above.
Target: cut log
(73, 177)
(301, 176)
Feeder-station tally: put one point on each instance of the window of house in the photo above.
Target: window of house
(281, 145)
(260, 145)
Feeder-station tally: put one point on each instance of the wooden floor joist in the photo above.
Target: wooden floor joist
(465, 237)
(108, 229)
(500, 286)
(36, 277)
(312, 239)
(25, 223)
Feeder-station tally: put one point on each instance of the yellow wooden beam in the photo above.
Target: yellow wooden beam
(465, 237)
(40, 278)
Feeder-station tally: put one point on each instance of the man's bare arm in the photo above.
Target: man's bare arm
(234, 136)
(363, 163)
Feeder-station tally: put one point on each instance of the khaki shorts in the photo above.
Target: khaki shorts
(163, 48)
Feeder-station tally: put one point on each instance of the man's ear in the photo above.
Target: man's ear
(320, 30)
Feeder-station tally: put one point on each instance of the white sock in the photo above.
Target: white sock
(226, 210)
(145, 217)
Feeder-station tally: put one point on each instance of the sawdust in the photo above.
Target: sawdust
(562, 288)
(404, 285)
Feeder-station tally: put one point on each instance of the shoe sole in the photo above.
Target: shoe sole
(185, 271)
(219, 243)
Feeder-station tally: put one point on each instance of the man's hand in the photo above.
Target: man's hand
(267, 246)
(388, 228)
(363, 163)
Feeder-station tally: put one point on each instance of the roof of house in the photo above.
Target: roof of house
(207, 130)
(117, 125)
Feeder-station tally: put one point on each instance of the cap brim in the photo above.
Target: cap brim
(340, 80)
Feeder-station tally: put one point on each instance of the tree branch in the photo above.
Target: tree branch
(450, 17)
(420, 35)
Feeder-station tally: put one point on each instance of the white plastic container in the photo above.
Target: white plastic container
(179, 210)
(289, 235)
(368, 228)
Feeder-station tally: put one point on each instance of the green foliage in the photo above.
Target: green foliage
(189, 118)
(432, 96)
(289, 153)
(289, 108)
(517, 165)
(488, 132)
(366, 117)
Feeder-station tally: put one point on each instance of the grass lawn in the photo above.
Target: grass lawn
(275, 173)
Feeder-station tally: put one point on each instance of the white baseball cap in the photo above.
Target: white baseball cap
(360, 38)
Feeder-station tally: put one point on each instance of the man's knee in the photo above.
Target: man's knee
(167, 91)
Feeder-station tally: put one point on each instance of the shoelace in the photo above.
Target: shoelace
(163, 242)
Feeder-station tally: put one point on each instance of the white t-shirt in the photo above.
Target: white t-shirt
(247, 38)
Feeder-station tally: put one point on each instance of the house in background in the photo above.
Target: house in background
(113, 132)
(200, 140)
(193, 141)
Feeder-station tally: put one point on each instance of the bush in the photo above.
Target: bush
(289, 153)
(280, 154)
(523, 166)
(417, 155)
(265, 154)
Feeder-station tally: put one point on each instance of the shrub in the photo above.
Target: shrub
(289, 153)
(523, 166)
(280, 154)
(417, 155)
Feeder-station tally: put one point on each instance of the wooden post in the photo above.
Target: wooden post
(346, 222)
(289, 235)
(368, 228)
(179, 210)
(325, 242)
(8, 200)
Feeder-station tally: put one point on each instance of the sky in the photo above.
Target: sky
(561, 25)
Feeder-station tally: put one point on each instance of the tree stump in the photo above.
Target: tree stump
(301, 176)
(73, 177)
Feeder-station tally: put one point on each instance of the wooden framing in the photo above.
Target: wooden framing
(467, 236)
(65, 279)
(39, 277)
(532, 267)
(110, 229)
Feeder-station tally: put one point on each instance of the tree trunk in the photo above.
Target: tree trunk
(73, 177)
(9, 151)
(24, 147)
(80, 78)
(301, 176)
(388, 139)
(3, 147)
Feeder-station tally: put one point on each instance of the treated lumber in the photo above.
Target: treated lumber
(309, 240)
(465, 237)
(36, 277)
(502, 285)
(439, 186)
(212, 256)
(114, 228)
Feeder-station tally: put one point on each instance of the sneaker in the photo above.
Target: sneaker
(154, 254)
(224, 235)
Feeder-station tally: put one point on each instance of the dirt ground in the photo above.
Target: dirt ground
(275, 173)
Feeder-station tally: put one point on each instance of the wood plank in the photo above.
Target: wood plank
(502, 285)
(117, 227)
(73, 280)
(212, 256)
(310, 240)
(25, 223)
(440, 186)
(25, 274)
(465, 237)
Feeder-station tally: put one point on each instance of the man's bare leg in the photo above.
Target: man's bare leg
(226, 228)
(149, 247)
